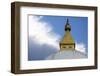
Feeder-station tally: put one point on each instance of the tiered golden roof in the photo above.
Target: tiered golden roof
(67, 43)
(67, 39)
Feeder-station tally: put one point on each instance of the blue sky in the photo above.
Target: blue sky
(79, 26)
(79, 31)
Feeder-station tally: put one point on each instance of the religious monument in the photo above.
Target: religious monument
(67, 47)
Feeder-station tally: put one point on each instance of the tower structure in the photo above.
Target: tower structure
(67, 43)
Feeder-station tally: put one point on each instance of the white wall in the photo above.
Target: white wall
(5, 42)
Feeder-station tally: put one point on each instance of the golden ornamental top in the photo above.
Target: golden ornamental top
(67, 26)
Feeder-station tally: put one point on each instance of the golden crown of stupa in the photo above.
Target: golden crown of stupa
(67, 42)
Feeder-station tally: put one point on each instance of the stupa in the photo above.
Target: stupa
(67, 47)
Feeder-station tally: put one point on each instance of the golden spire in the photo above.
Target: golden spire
(67, 43)
(67, 26)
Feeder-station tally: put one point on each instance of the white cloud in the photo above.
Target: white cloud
(80, 47)
(42, 32)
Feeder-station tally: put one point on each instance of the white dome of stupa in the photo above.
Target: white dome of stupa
(67, 54)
